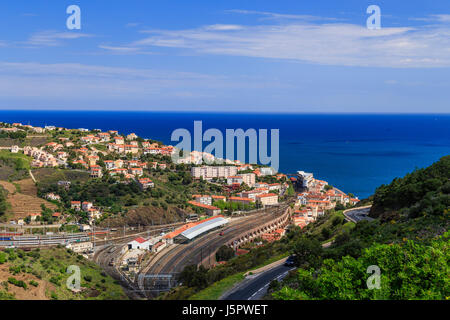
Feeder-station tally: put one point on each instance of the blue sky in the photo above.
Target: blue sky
(253, 56)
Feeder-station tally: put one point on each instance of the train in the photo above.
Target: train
(16, 240)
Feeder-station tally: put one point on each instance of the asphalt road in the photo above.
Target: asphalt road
(255, 287)
(357, 215)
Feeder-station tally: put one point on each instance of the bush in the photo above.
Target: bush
(224, 253)
(17, 283)
(34, 283)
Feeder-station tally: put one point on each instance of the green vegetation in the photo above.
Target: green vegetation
(229, 207)
(224, 253)
(51, 266)
(3, 203)
(420, 193)
(408, 242)
(13, 166)
(409, 270)
(215, 291)
(19, 135)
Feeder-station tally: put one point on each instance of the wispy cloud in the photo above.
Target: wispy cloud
(319, 43)
(439, 18)
(53, 39)
(132, 25)
(124, 50)
(281, 16)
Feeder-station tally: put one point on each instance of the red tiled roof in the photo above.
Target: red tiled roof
(267, 195)
(201, 205)
(140, 240)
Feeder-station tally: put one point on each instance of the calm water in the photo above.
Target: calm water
(356, 153)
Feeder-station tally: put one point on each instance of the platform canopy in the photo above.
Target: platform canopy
(206, 226)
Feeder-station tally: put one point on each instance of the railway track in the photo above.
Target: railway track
(193, 253)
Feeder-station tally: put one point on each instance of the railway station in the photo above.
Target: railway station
(190, 231)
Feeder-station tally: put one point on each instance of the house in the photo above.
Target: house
(234, 179)
(132, 136)
(80, 247)
(52, 196)
(119, 140)
(274, 186)
(145, 183)
(209, 210)
(118, 171)
(268, 199)
(129, 148)
(219, 198)
(248, 178)
(204, 199)
(109, 164)
(139, 243)
(136, 171)
(34, 216)
(85, 227)
(96, 172)
(75, 205)
(14, 149)
(86, 205)
(241, 200)
(94, 214)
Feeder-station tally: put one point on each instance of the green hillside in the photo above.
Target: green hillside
(408, 241)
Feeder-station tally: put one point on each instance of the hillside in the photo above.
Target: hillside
(408, 241)
(41, 275)
(422, 192)
(23, 200)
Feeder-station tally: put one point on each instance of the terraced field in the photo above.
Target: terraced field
(25, 202)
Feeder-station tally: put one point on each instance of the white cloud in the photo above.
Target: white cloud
(326, 43)
(52, 39)
(441, 18)
(280, 16)
(224, 27)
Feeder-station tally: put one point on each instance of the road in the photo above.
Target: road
(254, 287)
(358, 214)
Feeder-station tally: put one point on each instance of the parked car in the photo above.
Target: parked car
(290, 262)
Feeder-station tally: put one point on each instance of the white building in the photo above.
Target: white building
(305, 178)
(209, 172)
(248, 178)
(139, 243)
(79, 247)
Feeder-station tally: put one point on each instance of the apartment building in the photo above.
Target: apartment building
(209, 172)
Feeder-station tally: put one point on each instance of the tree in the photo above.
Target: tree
(224, 253)
(307, 252)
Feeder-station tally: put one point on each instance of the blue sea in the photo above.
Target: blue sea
(356, 153)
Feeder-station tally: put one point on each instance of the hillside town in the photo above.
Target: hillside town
(125, 158)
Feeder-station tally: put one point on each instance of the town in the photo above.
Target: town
(73, 168)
